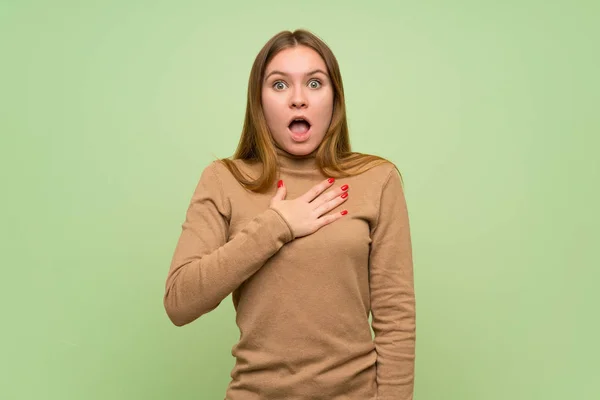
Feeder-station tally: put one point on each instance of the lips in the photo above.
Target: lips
(299, 125)
(299, 118)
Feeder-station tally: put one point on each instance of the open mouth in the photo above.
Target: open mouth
(299, 126)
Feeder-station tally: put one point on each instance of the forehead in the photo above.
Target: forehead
(296, 60)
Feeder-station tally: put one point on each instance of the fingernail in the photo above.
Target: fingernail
(330, 180)
(280, 183)
(345, 187)
(344, 212)
(344, 195)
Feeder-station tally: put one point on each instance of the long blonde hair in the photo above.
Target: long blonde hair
(334, 156)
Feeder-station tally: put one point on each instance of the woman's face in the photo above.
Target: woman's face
(297, 86)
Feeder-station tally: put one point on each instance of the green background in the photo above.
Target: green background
(110, 110)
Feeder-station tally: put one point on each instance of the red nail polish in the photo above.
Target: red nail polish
(280, 183)
(344, 195)
(330, 180)
(345, 187)
(344, 212)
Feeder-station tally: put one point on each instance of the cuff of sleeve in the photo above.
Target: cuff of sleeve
(289, 235)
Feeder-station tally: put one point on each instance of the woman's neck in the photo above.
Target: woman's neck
(289, 161)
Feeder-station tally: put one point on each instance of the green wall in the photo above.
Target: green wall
(109, 111)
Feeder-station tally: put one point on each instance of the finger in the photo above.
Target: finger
(330, 205)
(319, 201)
(328, 219)
(281, 191)
(316, 190)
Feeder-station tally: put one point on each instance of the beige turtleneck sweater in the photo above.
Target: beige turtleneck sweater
(302, 304)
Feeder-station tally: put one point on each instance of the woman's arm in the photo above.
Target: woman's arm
(206, 267)
(392, 294)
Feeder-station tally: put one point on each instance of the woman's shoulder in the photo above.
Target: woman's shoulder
(222, 169)
(376, 168)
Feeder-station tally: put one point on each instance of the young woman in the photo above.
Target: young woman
(305, 260)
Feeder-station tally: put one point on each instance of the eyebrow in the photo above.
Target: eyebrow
(316, 71)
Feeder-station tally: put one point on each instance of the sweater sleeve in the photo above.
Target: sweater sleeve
(392, 294)
(206, 266)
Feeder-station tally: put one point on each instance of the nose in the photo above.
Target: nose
(298, 98)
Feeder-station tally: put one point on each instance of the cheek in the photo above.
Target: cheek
(272, 99)
(325, 106)
(268, 106)
(272, 110)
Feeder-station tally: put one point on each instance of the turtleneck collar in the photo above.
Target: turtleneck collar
(290, 161)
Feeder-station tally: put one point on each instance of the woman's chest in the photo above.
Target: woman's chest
(350, 233)
(334, 259)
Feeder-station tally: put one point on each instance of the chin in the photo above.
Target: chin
(301, 149)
